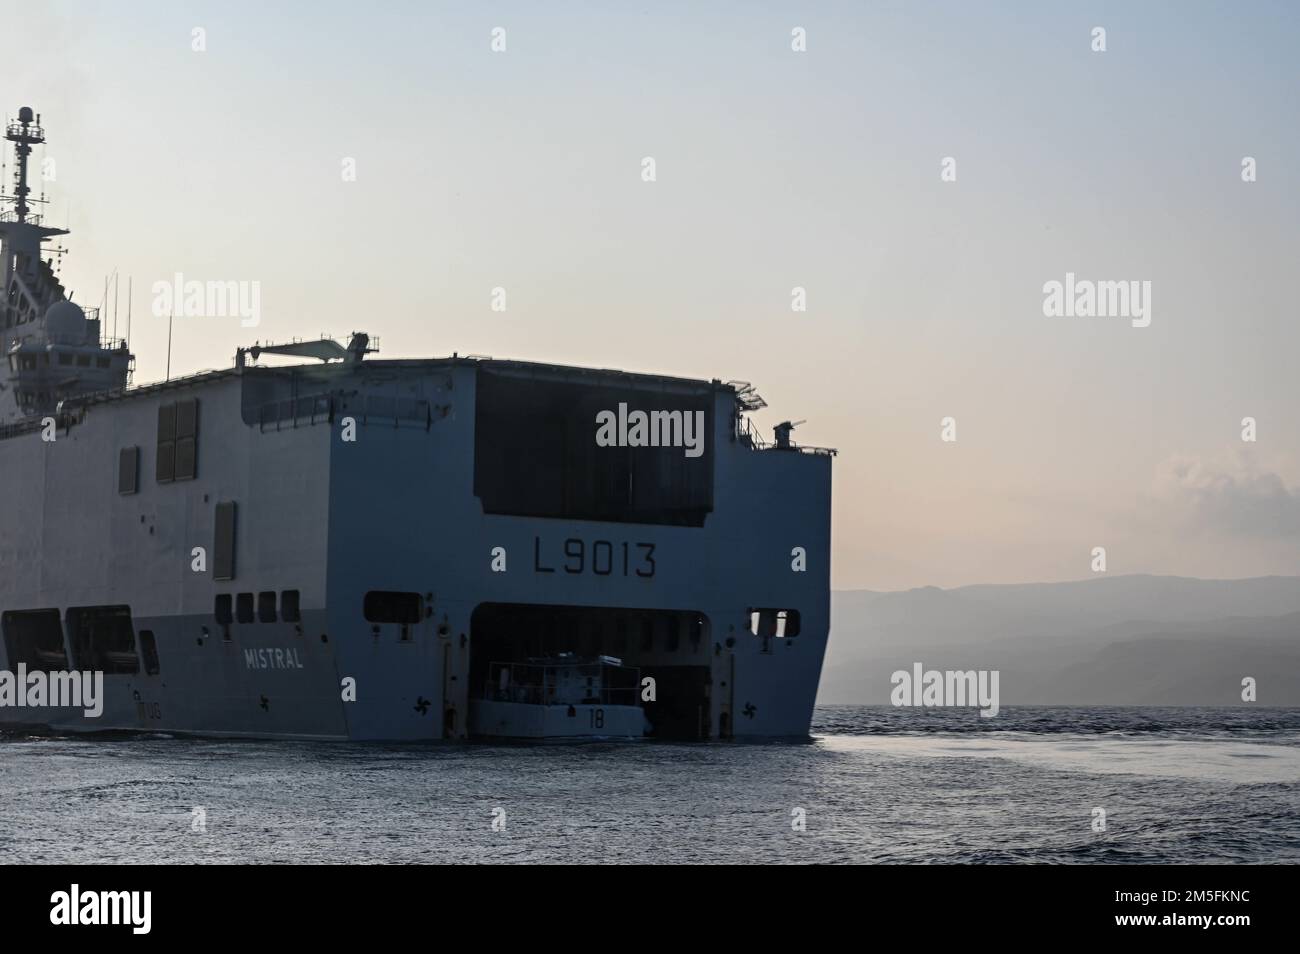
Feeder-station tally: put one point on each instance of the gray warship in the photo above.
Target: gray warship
(332, 546)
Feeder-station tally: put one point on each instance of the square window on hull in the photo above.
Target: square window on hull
(780, 623)
(128, 470)
(223, 609)
(384, 606)
(223, 544)
(289, 611)
(266, 606)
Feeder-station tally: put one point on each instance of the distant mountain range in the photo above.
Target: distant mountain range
(1124, 640)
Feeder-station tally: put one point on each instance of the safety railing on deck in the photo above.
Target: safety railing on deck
(374, 409)
(749, 436)
(296, 412)
(10, 216)
(62, 422)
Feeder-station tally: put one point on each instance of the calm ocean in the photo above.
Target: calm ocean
(875, 785)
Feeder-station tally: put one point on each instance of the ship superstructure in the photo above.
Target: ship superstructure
(53, 348)
(355, 548)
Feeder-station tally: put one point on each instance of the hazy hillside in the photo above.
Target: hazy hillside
(1131, 640)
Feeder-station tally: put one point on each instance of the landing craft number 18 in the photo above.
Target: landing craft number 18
(601, 557)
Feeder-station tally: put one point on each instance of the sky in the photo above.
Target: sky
(775, 169)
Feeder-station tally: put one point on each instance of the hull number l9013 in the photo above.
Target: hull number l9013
(601, 557)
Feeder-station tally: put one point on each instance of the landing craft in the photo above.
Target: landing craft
(385, 539)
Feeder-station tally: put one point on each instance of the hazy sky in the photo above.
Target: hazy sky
(775, 169)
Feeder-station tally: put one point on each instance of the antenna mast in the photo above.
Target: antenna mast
(24, 134)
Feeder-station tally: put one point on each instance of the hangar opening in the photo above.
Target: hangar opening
(672, 647)
(536, 452)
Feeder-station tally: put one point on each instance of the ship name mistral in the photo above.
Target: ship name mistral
(272, 659)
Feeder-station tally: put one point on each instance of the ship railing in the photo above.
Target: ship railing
(375, 409)
(397, 411)
(22, 427)
(32, 131)
(749, 436)
(62, 422)
(540, 684)
(11, 216)
(817, 451)
(296, 412)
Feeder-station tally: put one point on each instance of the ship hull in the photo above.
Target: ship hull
(333, 568)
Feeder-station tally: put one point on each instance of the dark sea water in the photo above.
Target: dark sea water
(875, 785)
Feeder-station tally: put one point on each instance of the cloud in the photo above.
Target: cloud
(1229, 498)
